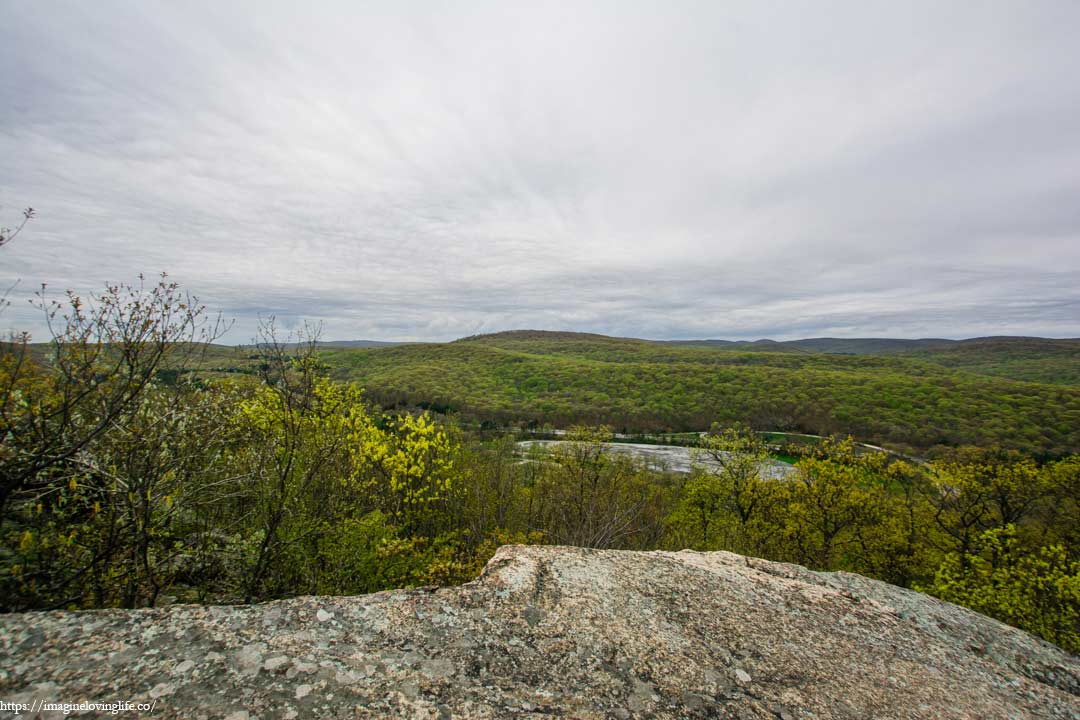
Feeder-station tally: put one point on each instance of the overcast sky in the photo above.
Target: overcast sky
(666, 170)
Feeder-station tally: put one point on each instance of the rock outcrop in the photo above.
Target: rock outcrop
(555, 631)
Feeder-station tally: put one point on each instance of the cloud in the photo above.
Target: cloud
(415, 171)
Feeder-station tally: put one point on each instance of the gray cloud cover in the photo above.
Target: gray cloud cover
(429, 170)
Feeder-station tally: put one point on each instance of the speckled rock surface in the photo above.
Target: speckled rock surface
(549, 631)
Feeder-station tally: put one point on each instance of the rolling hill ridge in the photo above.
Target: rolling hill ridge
(1017, 393)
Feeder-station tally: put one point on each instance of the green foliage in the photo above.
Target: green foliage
(369, 553)
(211, 490)
(1061, 517)
(726, 504)
(98, 459)
(981, 491)
(835, 495)
(972, 529)
(1030, 359)
(408, 467)
(296, 444)
(588, 497)
(105, 352)
(1036, 589)
(903, 401)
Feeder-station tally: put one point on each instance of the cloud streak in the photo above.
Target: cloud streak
(414, 171)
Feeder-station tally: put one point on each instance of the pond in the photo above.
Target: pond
(671, 458)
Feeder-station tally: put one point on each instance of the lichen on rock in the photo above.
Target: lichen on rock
(558, 631)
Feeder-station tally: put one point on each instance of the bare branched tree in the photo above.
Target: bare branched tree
(57, 397)
(8, 234)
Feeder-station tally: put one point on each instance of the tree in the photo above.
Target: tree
(101, 358)
(696, 521)
(590, 497)
(737, 457)
(980, 490)
(1061, 512)
(1035, 589)
(408, 468)
(834, 493)
(84, 418)
(299, 432)
(8, 234)
(117, 533)
(494, 497)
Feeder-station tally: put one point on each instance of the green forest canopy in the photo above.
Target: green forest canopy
(1019, 393)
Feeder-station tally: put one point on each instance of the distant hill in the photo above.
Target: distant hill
(547, 336)
(1020, 358)
(867, 346)
(763, 345)
(846, 346)
(863, 346)
(879, 346)
(1022, 393)
(1048, 360)
(361, 343)
(329, 344)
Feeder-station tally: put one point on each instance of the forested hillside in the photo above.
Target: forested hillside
(1033, 359)
(1019, 358)
(921, 400)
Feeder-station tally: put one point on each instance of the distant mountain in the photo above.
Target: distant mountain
(867, 346)
(1022, 358)
(889, 346)
(864, 346)
(361, 343)
(702, 343)
(763, 345)
(846, 346)
(909, 395)
(544, 335)
(1033, 359)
